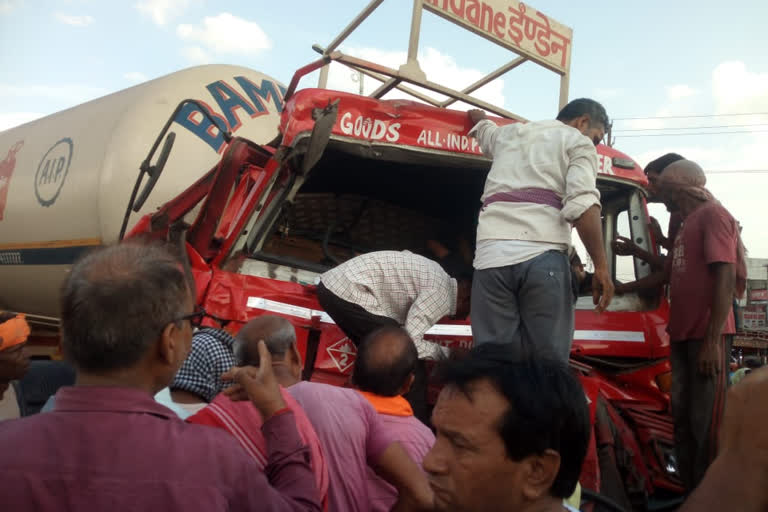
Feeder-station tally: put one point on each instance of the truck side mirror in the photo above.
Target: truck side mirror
(154, 172)
(321, 133)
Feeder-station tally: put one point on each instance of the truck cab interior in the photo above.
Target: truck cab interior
(360, 198)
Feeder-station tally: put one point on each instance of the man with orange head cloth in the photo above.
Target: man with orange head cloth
(13, 360)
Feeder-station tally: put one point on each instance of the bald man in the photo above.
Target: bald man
(350, 435)
(706, 270)
(384, 371)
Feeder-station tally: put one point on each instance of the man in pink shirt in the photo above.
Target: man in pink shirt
(351, 435)
(384, 371)
(706, 270)
(241, 419)
(127, 314)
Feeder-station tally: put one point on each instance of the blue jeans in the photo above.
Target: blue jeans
(529, 305)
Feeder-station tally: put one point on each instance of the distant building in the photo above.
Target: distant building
(754, 307)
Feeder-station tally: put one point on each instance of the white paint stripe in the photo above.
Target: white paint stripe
(439, 329)
(628, 336)
(288, 309)
(450, 330)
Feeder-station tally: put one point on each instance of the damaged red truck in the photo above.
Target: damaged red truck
(349, 174)
(353, 174)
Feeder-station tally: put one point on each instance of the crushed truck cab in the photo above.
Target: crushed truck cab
(350, 174)
(262, 188)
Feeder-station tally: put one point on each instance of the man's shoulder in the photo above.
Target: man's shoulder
(716, 208)
(315, 395)
(416, 438)
(211, 335)
(17, 428)
(410, 424)
(174, 434)
(305, 388)
(710, 214)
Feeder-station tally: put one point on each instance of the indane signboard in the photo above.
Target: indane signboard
(513, 25)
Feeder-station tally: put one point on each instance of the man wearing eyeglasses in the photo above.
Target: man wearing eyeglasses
(126, 322)
(542, 183)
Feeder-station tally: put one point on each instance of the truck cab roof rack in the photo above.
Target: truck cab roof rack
(527, 33)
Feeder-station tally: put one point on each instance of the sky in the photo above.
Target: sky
(646, 62)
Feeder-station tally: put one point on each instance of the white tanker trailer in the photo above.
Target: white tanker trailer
(66, 179)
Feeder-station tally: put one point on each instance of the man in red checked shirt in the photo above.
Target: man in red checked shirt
(706, 270)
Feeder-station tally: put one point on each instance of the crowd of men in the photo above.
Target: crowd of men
(166, 415)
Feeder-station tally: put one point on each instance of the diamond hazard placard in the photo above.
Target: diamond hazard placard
(343, 353)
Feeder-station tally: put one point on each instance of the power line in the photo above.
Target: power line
(691, 134)
(690, 117)
(745, 171)
(690, 127)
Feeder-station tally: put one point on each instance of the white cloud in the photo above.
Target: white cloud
(680, 91)
(737, 90)
(734, 89)
(11, 119)
(6, 6)
(135, 76)
(75, 21)
(72, 93)
(162, 11)
(604, 93)
(438, 67)
(196, 55)
(226, 33)
(742, 194)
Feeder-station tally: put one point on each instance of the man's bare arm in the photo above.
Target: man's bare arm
(722, 303)
(396, 467)
(623, 246)
(653, 281)
(589, 228)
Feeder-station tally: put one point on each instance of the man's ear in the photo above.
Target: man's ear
(296, 356)
(171, 347)
(408, 383)
(540, 472)
(581, 123)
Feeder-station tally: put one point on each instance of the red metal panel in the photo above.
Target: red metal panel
(409, 123)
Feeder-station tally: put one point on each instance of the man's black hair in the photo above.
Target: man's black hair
(385, 360)
(657, 166)
(581, 106)
(547, 405)
(115, 303)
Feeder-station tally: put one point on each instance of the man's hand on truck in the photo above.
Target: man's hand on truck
(476, 115)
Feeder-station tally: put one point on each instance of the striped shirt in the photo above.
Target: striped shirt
(411, 289)
(244, 422)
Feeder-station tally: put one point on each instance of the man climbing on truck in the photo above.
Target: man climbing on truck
(541, 184)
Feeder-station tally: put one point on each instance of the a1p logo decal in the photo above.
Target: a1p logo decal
(52, 171)
(6, 171)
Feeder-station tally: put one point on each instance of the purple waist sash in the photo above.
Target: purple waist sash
(526, 195)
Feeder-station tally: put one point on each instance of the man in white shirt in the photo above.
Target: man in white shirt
(542, 183)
